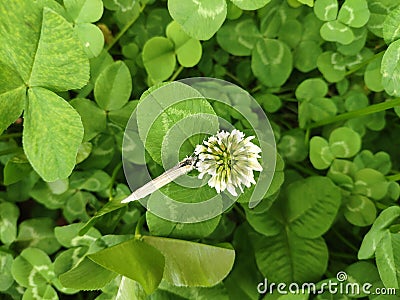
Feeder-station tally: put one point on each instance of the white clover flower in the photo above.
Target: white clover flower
(230, 159)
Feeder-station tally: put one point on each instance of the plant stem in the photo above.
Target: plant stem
(122, 32)
(307, 137)
(139, 225)
(229, 74)
(284, 122)
(289, 99)
(10, 135)
(302, 169)
(10, 151)
(176, 74)
(342, 255)
(8, 251)
(345, 241)
(394, 228)
(381, 206)
(358, 67)
(395, 177)
(239, 211)
(329, 274)
(113, 176)
(256, 89)
(358, 113)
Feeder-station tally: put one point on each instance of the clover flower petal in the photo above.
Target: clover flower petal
(230, 159)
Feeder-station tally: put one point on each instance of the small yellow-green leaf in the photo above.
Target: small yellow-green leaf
(187, 49)
(91, 38)
(159, 58)
(84, 11)
(250, 4)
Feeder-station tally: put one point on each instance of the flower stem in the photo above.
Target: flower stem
(256, 89)
(342, 255)
(307, 137)
(329, 274)
(176, 74)
(229, 74)
(364, 63)
(10, 151)
(344, 240)
(239, 211)
(139, 225)
(113, 176)
(10, 135)
(358, 113)
(122, 32)
(395, 177)
(302, 169)
(289, 99)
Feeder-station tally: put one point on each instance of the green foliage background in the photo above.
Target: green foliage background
(326, 72)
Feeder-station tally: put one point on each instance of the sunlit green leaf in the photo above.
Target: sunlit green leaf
(84, 10)
(200, 20)
(50, 153)
(250, 4)
(95, 276)
(193, 264)
(159, 58)
(187, 49)
(390, 69)
(113, 86)
(134, 259)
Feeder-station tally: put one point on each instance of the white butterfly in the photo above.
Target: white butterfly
(182, 168)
